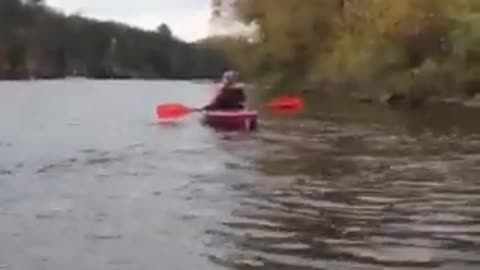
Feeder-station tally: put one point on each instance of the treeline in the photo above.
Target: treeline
(419, 48)
(38, 41)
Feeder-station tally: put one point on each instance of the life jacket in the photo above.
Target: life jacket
(228, 98)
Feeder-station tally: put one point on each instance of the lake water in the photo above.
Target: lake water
(89, 180)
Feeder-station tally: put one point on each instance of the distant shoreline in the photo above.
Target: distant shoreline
(23, 77)
(193, 80)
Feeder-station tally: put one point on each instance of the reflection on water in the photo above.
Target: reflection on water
(87, 181)
(341, 192)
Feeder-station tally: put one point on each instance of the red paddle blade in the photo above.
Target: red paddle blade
(286, 103)
(173, 110)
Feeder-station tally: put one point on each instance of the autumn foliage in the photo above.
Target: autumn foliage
(415, 47)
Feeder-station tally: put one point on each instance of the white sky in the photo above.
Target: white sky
(188, 19)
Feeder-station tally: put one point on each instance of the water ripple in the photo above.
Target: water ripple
(359, 201)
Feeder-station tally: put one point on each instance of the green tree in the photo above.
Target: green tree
(363, 45)
(164, 31)
(47, 43)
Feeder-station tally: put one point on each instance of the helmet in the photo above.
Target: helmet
(230, 77)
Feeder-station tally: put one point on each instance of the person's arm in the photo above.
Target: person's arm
(241, 97)
(214, 101)
(209, 106)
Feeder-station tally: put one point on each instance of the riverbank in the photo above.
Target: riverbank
(406, 94)
(399, 52)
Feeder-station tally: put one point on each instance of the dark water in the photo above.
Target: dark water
(88, 180)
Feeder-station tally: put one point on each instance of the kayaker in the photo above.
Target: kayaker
(231, 95)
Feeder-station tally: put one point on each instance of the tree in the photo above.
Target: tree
(36, 2)
(47, 43)
(164, 30)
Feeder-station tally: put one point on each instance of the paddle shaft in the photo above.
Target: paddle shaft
(174, 110)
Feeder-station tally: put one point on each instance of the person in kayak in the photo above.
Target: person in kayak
(231, 95)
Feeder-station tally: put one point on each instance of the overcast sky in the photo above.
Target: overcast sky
(188, 19)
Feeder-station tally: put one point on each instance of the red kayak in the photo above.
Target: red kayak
(242, 120)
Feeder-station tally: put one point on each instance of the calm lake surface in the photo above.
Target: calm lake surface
(89, 180)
